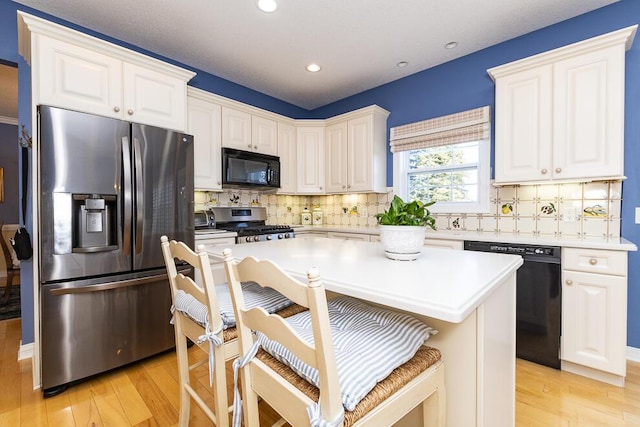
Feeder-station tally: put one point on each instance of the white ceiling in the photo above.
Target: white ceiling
(357, 42)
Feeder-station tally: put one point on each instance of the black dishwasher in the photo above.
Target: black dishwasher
(538, 299)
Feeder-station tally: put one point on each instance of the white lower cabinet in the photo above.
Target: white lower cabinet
(594, 313)
(444, 244)
(348, 236)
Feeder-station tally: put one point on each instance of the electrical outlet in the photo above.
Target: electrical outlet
(278, 213)
(569, 214)
(364, 212)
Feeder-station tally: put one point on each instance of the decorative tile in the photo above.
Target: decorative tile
(488, 223)
(506, 194)
(615, 190)
(594, 227)
(547, 209)
(614, 227)
(526, 226)
(594, 209)
(596, 190)
(507, 225)
(506, 208)
(548, 192)
(547, 226)
(570, 229)
(526, 192)
(528, 208)
(570, 191)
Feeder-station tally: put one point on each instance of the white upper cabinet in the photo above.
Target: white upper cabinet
(80, 72)
(356, 151)
(336, 160)
(288, 159)
(310, 155)
(560, 114)
(243, 131)
(236, 129)
(204, 123)
(264, 135)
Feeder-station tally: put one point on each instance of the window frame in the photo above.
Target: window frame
(483, 205)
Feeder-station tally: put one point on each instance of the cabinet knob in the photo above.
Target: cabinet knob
(543, 171)
(569, 282)
(344, 187)
(321, 188)
(255, 147)
(130, 112)
(116, 109)
(558, 170)
(593, 261)
(249, 146)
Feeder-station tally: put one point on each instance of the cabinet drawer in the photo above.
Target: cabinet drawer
(595, 261)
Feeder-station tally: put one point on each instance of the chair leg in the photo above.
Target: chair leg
(7, 288)
(434, 409)
(220, 389)
(183, 376)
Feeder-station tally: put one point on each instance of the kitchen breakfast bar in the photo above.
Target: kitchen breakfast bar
(468, 296)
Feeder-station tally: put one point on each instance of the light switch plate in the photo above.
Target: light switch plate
(569, 214)
(637, 215)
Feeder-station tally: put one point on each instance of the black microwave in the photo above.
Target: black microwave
(249, 169)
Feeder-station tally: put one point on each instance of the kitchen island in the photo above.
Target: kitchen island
(468, 296)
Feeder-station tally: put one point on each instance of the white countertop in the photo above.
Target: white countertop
(613, 243)
(441, 283)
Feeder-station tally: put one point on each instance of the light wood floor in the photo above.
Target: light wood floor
(146, 394)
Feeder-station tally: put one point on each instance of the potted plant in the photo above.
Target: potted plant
(403, 227)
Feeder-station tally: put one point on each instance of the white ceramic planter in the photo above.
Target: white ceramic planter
(402, 242)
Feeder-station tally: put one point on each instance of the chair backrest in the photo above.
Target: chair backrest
(7, 252)
(172, 251)
(320, 356)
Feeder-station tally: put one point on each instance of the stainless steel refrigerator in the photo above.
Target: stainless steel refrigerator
(109, 189)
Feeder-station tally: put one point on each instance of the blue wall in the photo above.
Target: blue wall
(464, 83)
(457, 85)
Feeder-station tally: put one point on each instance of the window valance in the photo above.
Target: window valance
(466, 126)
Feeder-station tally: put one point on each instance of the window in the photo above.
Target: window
(444, 160)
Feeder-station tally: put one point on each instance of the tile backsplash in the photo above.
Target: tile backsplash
(562, 210)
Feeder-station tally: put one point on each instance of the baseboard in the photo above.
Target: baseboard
(633, 354)
(25, 351)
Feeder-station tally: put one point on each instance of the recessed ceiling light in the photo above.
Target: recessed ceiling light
(451, 45)
(313, 68)
(267, 5)
(402, 64)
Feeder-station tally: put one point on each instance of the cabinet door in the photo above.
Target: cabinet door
(154, 98)
(348, 236)
(337, 158)
(264, 134)
(523, 126)
(204, 124)
(594, 328)
(310, 154)
(288, 160)
(588, 130)
(360, 154)
(236, 129)
(444, 244)
(77, 78)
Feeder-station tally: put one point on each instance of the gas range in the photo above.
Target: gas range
(250, 224)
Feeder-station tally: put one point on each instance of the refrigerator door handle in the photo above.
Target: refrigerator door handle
(139, 173)
(113, 285)
(127, 193)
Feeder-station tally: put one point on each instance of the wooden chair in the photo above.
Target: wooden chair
(12, 271)
(418, 381)
(220, 344)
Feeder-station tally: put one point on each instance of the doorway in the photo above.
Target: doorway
(9, 188)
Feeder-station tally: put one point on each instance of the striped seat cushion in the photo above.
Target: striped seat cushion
(254, 295)
(369, 343)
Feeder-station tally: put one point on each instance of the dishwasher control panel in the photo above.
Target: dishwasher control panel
(511, 248)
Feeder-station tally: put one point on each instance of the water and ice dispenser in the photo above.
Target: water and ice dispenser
(94, 223)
